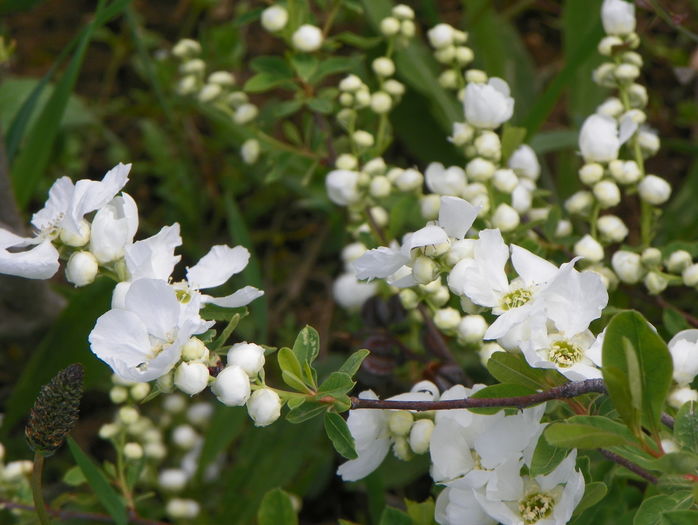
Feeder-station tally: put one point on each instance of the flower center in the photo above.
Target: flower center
(183, 295)
(565, 354)
(535, 507)
(516, 298)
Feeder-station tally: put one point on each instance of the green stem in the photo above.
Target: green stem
(39, 503)
(594, 219)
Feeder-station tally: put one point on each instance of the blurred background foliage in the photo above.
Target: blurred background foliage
(91, 84)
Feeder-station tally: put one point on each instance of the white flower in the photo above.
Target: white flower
(350, 293)
(63, 214)
(525, 162)
(445, 181)
(618, 17)
(566, 352)
(456, 506)
(274, 18)
(143, 341)
(307, 38)
(342, 187)
(598, 139)
(679, 396)
(232, 386)
(82, 268)
(684, 352)
(191, 378)
(264, 407)
(543, 500)
(113, 228)
(488, 106)
(248, 356)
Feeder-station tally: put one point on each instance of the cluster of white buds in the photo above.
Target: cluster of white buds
(400, 24)
(451, 51)
(14, 476)
(656, 272)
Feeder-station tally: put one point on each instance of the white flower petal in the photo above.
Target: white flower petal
(530, 267)
(217, 266)
(156, 305)
(154, 258)
(242, 297)
(456, 216)
(427, 236)
(39, 262)
(379, 262)
(59, 199)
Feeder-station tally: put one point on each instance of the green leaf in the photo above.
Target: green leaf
(333, 65)
(74, 477)
(680, 462)
(320, 105)
(336, 384)
(680, 517)
(498, 391)
(651, 510)
(305, 65)
(578, 435)
(637, 370)
(507, 367)
(226, 333)
(307, 410)
(512, 138)
(353, 362)
(96, 478)
(307, 345)
(546, 457)
(673, 321)
(421, 513)
(593, 493)
(338, 432)
(276, 509)
(358, 41)
(686, 426)
(391, 516)
(272, 65)
(291, 371)
(262, 82)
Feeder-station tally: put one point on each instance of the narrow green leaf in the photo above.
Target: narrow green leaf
(336, 384)
(673, 321)
(593, 493)
(637, 370)
(98, 481)
(391, 516)
(546, 457)
(307, 410)
(353, 362)
(686, 426)
(338, 432)
(578, 435)
(307, 345)
(276, 509)
(512, 138)
(226, 333)
(358, 41)
(497, 391)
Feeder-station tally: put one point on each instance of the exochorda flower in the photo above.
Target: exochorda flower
(618, 17)
(488, 106)
(598, 139)
(144, 340)
(61, 217)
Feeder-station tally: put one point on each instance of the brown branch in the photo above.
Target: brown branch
(632, 467)
(566, 391)
(91, 516)
(667, 305)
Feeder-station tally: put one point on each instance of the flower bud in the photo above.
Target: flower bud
(232, 386)
(488, 106)
(655, 283)
(679, 396)
(429, 205)
(172, 479)
(400, 422)
(118, 395)
(307, 38)
(180, 508)
(538, 214)
(611, 107)
(579, 203)
(209, 92)
(380, 187)
(472, 328)
(476, 76)
(690, 275)
(195, 66)
(409, 180)
(186, 48)
(383, 67)
(250, 151)
(264, 407)
(403, 12)
(684, 353)
(424, 270)
(248, 356)
(648, 140)
(245, 113)
(341, 187)
(447, 319)
(191, 378)
(651, 257)
(589, 248)
(618, 17)
(628, 266)
(420, 435)
(591, 173)
(76, 239)
(608, 45)
(185, 437)
(505, 180)
(464, 55)
(654, 190)
(612, 228)
(505, 218)
(82, 268)
(638, 95)
(487, 350)
(194, 350)
(440, 36)
(448, 79)
(390, 26)
(598, 139)
(480, 170)
(607, 193)
(394, 88)
(626, 72)
(350, 83)
(445, 55)
(128, 415)
(525, 163)
(604, 75)
(678, 261)
(274, 18)
(140, 391)
(563, 228)
(363, 139)
(462, 133)
(488, 145)
(133, 451)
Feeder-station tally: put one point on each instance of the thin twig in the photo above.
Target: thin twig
(666, 304)
(69, 514)
(632, 467)
(566, 391)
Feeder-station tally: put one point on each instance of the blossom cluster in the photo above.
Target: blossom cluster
(481, 460)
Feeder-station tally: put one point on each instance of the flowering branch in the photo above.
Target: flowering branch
(566, 391)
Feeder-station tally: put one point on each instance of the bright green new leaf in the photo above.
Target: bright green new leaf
(98, 482)
(276, 509)
(686, 426)
(264, 82)
(391, 516)
(307, 345)
(512, 138)
(637, 368)
(305, 65)
(336, 384)
(338, 432)
(353, 362)
(578, 435)
(421, 513)
(291, 371)
(307, 410)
